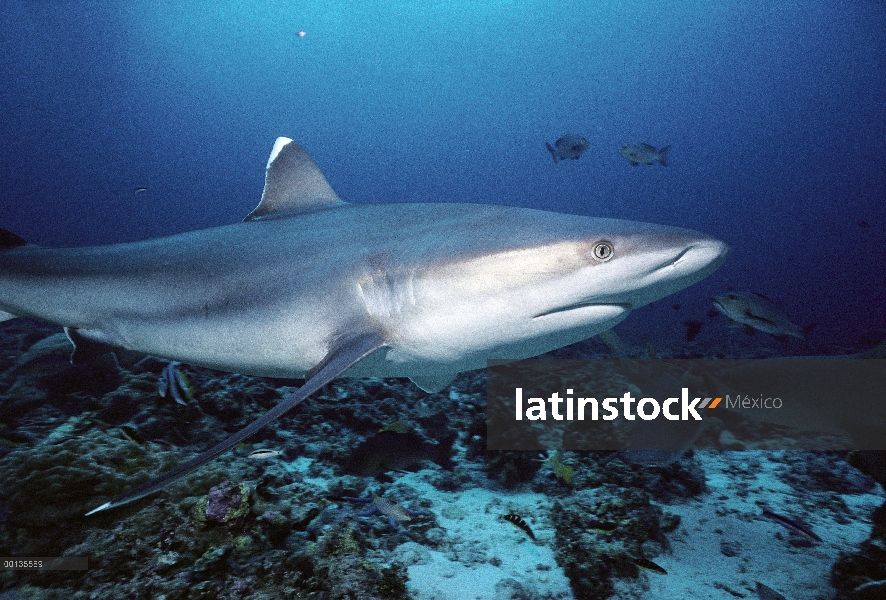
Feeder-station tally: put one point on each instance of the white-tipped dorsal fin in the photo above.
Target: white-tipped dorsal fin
(293, 183)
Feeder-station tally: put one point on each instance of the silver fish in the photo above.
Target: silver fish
(264, 454)
(759, 312)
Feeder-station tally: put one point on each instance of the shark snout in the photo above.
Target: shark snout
(675, 262)
(706, 252)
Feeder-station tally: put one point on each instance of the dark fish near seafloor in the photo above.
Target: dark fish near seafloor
(567, 147)
(791, 524)
(392, 451)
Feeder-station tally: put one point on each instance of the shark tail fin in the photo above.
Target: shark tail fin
(663, 155)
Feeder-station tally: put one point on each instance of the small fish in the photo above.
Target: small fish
(395, 513)
(392, 510)
(139, 190)
(606, 527)
(264, 454)
(173, 382)
(518, 522)
(561, 469)
(132, 434)
(567, 147)
(692, 329)
(791, 524)
(63, 439)
(396, 427)
(391, 451)
(756, 311)
(767, 593)
(643, 563)
(645, 154)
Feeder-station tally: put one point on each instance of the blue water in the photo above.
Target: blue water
(775, 112)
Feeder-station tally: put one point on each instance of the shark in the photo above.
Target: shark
(309, 286)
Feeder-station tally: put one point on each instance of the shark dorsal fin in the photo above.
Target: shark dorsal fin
(293, 183)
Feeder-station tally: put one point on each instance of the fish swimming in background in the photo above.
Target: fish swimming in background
(560, 468)
(756, 311)
(791, 524)
(604, 527)
(389, 450)
(645, 154)
(173, 383)
(398, 426)
(643, 563)
(518, 522)
(567, 147)
(395, 513)
(264, 454)
(692, 329)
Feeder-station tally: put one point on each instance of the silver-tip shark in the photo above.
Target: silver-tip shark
(311, 286)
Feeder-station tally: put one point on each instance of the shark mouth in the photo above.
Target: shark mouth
(578, 305)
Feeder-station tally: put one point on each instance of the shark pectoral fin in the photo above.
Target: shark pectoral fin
(87, 346)
(344, 354)
(433, 382)
(5, 316)
(293, 183)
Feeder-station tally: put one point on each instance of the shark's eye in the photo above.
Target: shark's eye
(603, 251)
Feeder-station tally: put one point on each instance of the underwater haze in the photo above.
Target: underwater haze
(774, 112)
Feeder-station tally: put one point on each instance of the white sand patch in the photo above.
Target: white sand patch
(480, 551)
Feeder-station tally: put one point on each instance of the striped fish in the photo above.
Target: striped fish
(644, 563)
(518, 522)
(391, 509)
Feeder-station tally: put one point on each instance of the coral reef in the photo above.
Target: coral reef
(601, 533)
(277, 528)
